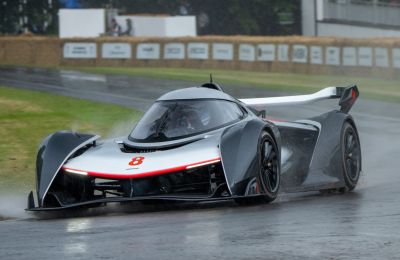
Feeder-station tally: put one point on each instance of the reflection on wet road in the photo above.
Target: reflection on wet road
(361, 224)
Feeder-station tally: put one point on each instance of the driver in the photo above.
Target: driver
(186, 122)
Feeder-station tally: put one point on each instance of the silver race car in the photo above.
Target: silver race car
(201, 144)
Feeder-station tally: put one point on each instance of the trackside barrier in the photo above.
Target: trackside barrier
(376, 57)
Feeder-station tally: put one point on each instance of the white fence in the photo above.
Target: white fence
(330, 55)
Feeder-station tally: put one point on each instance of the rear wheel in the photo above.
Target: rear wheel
(351, 156)
(265, 187)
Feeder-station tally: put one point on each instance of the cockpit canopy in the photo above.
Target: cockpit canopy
(168, 120)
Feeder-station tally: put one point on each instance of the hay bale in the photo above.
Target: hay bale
(48, 51)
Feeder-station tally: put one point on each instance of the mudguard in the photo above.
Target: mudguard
(239, 152)
(53, 152)
(327, 154)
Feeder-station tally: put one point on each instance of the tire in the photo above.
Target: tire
(265, 187)
(351, 156)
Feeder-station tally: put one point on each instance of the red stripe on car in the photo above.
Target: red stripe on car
(145, 174)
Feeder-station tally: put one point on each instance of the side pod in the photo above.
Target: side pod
(53, 152)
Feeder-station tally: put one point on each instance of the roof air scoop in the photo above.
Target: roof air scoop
(212, 85)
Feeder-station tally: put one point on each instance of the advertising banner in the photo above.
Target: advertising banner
(381, 57)
(283, 52)
(247, 52)
(299, 53)
(316, 55)
(222, 51)
(116, 51)
(174, 51)
(332, 55)
(148, 51)
(365, 56)
(349, 56)
(266, 52)
(79, 50)
(396, 57)
(197, 50)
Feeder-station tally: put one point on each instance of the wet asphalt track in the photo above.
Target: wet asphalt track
(364, 224)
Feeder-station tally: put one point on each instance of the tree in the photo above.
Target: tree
(8, 16)
(38, 16)
(221, 17)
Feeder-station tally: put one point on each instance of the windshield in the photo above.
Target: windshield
(169, 120)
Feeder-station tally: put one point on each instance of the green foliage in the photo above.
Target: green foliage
(222, 17)
(41, 16)
(219, 17)
(8, 16)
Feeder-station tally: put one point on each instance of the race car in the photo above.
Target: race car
(201, 144)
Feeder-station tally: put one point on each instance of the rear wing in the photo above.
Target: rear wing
(348, 96)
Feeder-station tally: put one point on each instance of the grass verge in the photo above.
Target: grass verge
(26, 117)
(383, 89)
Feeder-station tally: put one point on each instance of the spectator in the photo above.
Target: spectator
(129, 29)
(115, 28)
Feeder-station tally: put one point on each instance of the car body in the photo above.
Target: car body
(201, 144)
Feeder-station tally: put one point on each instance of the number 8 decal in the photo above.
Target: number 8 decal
(136, 161)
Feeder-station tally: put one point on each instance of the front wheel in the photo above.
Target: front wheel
(265, 187)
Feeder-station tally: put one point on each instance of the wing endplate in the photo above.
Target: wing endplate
(348, 97)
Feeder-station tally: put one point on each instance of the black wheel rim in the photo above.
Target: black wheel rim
(269, 166)
(352, 155)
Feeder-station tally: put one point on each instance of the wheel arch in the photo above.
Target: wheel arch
(326, 159)
(52, 154)
(352, 122)
(274, 132)
(239, 152)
